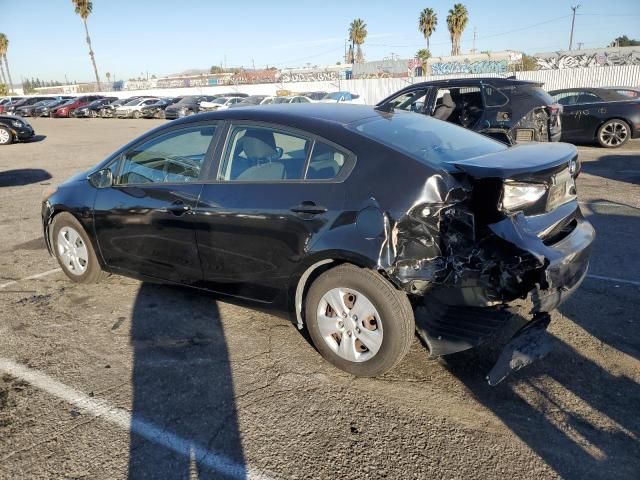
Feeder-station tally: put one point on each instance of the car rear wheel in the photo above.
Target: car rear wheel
(613, 133)
(73, 250)
(358, 321)
(135, 114)
(6, 137)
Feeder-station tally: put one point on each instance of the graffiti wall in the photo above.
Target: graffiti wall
(588, 58)
(493, 62)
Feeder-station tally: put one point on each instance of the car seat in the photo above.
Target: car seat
(445, 109)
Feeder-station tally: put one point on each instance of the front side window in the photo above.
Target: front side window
(411, 101)
(263, 154)
(174, 157)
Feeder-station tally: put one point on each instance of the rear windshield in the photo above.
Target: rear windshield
(426, 139)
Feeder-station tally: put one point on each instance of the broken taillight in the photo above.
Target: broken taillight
(555, 109)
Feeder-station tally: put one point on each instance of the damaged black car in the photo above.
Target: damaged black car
(509, 110)
(367, 226)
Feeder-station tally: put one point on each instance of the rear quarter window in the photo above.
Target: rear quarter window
(426, 139)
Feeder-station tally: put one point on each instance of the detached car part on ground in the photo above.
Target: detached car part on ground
(14, 129)
(367, 226)
(509, 110)
(603, 115)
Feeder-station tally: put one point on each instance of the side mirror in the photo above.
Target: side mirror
(102, 178)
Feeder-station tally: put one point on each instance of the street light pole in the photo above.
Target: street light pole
(573, 21)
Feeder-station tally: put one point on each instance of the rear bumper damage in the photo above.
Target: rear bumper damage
(468, 274)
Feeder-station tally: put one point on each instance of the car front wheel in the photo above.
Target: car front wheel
(358, 321)
(74, 251)
(613, 133)
(6, 137)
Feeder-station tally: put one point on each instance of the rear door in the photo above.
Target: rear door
(274, 189)
(144, 222)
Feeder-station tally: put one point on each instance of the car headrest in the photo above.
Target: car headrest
(257, 148)
(267, 171)
(447, 101)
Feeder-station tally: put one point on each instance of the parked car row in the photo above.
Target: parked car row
(506, 109)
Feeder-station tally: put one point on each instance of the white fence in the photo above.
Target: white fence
(374, 90)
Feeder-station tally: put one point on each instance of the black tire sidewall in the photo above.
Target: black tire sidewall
(392, 342)
(604, 145)
(93, 272)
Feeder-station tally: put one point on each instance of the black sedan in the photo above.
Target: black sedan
(358, 221)
(93, 109)
(509, 110)
(156, 110)
(186, 106)
(13, 129)
(598, 114)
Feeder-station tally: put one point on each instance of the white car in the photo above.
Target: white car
(342, 97)
(220, 103)
(292, 99)
(132, 109)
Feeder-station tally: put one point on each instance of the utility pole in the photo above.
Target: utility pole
(573, 21)
(580, 45)
(475, 31)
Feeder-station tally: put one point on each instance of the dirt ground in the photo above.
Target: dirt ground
(129, 379)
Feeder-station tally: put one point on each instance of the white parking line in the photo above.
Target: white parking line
(31, 277)
(615, 280)
(123, 419)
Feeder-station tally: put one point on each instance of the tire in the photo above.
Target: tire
(67, 226)
(613, 133)
(394, 329)
(135, 114)
(93, 114)
(6, 137)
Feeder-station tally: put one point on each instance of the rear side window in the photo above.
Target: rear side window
(260, 154)
(325, 162)
(494, 97)
(426, 139)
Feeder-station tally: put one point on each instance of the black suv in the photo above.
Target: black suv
(506, 109)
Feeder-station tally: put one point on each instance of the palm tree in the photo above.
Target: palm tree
(357, 34)
(4, 46)
(84, 9)
(427, 23)
(457, 21)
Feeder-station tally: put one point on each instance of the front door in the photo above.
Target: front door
(274, 191)
(144, 222)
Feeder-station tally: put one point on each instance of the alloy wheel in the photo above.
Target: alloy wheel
(350, 324)
(5, 136)
(614, 134)
(72, 251)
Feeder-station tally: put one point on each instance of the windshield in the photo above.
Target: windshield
(133, 103)
(186, 100)
(254, 99)
(333, 96)
(220, 101)
(426, 139)
(281, 100)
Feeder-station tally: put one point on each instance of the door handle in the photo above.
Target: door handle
(309, 208)
(178, 208)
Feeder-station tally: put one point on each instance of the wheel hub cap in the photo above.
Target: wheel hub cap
(72, 251)
(614, 134)
(350, 324)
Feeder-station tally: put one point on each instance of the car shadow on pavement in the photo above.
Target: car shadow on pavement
(23, 176)
(182, 385)
(577, 416)
(36, 138)
(622, 168)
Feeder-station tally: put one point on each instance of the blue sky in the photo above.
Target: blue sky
(169, 36)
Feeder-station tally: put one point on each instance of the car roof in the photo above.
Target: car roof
(496, 81)
(604, 93)
(300, 114)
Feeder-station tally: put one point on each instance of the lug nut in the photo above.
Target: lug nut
(344, 314)
(340, 324)
(357, 330)
(355, 318)
(349, 333)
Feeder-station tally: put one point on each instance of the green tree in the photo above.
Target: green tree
(423, 55)
(4, 46)
(427, 23)
(357, 35)
(84, 9)
(108, 75)
(4, 90)
(456, 22)
(625, 41)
